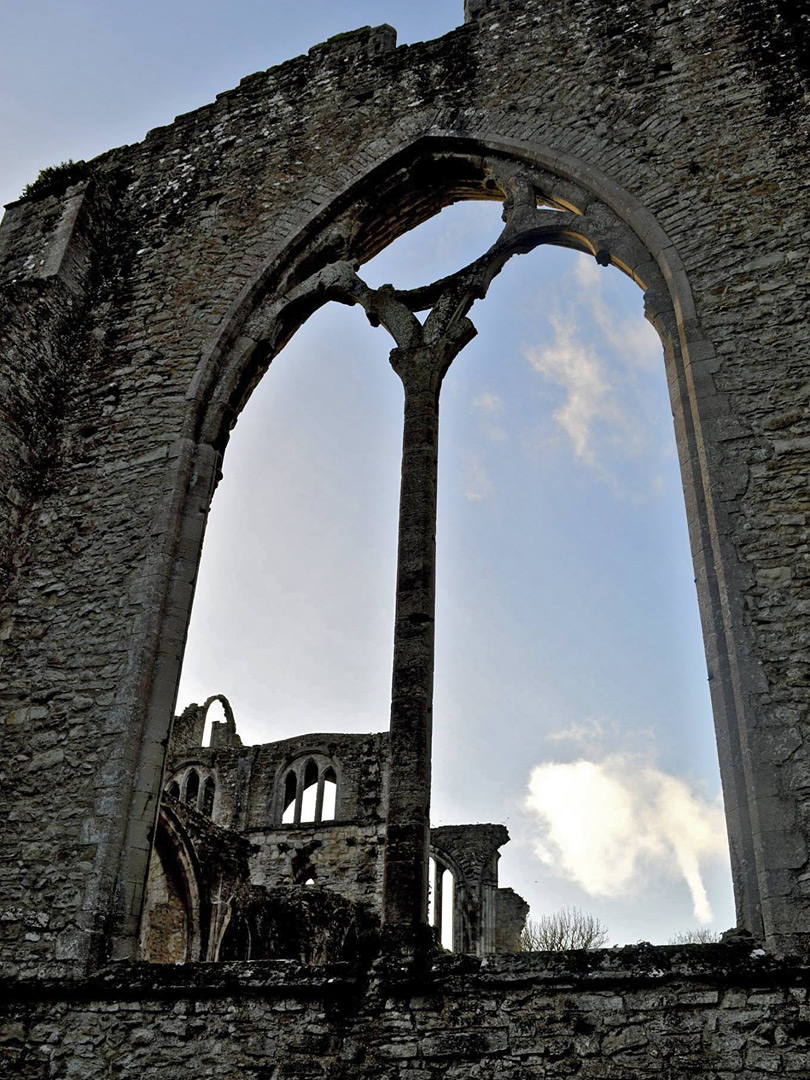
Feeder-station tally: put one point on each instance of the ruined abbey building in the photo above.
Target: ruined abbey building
(142, 297)
(275, 851)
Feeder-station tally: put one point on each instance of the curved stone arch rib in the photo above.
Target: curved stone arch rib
(236, 359)
(230, 720)
(276, 302)
(226, 708)
(177, 854)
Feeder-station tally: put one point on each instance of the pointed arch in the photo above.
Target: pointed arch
(191, 788)
(305, 775)
(615, 226)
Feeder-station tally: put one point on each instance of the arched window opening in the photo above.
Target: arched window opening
(560, 510)
(513, 508)
(192, 788)
(559, 485)
(329, 795)
(331, 474)
(441, 903)
(290, 789)
(173, 789)
(310, 792)
(448, 933)
(309, 797)
(310, 880)
(207, 801)
(309, 800)
(170, 930)
(431, 250)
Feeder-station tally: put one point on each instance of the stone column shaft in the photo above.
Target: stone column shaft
(408, 837)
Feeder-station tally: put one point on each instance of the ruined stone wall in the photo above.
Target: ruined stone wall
(615, 1015)
(345, 858)
(360, 761)
(510, 920)
(688, 120)
(344, 855)
(248, 777)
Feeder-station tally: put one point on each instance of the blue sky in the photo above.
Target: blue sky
(571, 698)
(82, 76)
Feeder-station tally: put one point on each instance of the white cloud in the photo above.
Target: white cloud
(604, 360)
(585, 733)
(577, 368)
(614, 825)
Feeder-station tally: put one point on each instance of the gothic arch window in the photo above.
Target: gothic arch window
(536, 211)
(309, 791)
(577, 220)
(442, 914)
(196, 787)
(192, 788)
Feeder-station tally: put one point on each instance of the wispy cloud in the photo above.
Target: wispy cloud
(478, 483)
(601, 359)
(585, 732)
(589, 396)
(635, 338)
(489, 407)
(597, 736)
(488, 403)
(613, 825)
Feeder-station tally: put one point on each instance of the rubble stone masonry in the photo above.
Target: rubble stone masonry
(138, 309)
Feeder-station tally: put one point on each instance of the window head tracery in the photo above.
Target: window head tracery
(309, 790)
(196, 787)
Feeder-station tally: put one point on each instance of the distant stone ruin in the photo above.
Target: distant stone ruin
(256, 858)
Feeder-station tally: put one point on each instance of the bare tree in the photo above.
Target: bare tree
(568, 928)
(698, 936)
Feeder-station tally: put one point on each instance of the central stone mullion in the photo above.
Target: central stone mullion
(408, 833)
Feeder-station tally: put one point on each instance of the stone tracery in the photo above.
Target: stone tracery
(423, 353)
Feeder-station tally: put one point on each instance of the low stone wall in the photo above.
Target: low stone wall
(671, 1012)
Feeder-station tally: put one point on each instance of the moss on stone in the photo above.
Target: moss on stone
(56, 179)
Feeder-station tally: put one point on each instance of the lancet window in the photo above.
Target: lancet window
(309, 791)
(195, 789)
